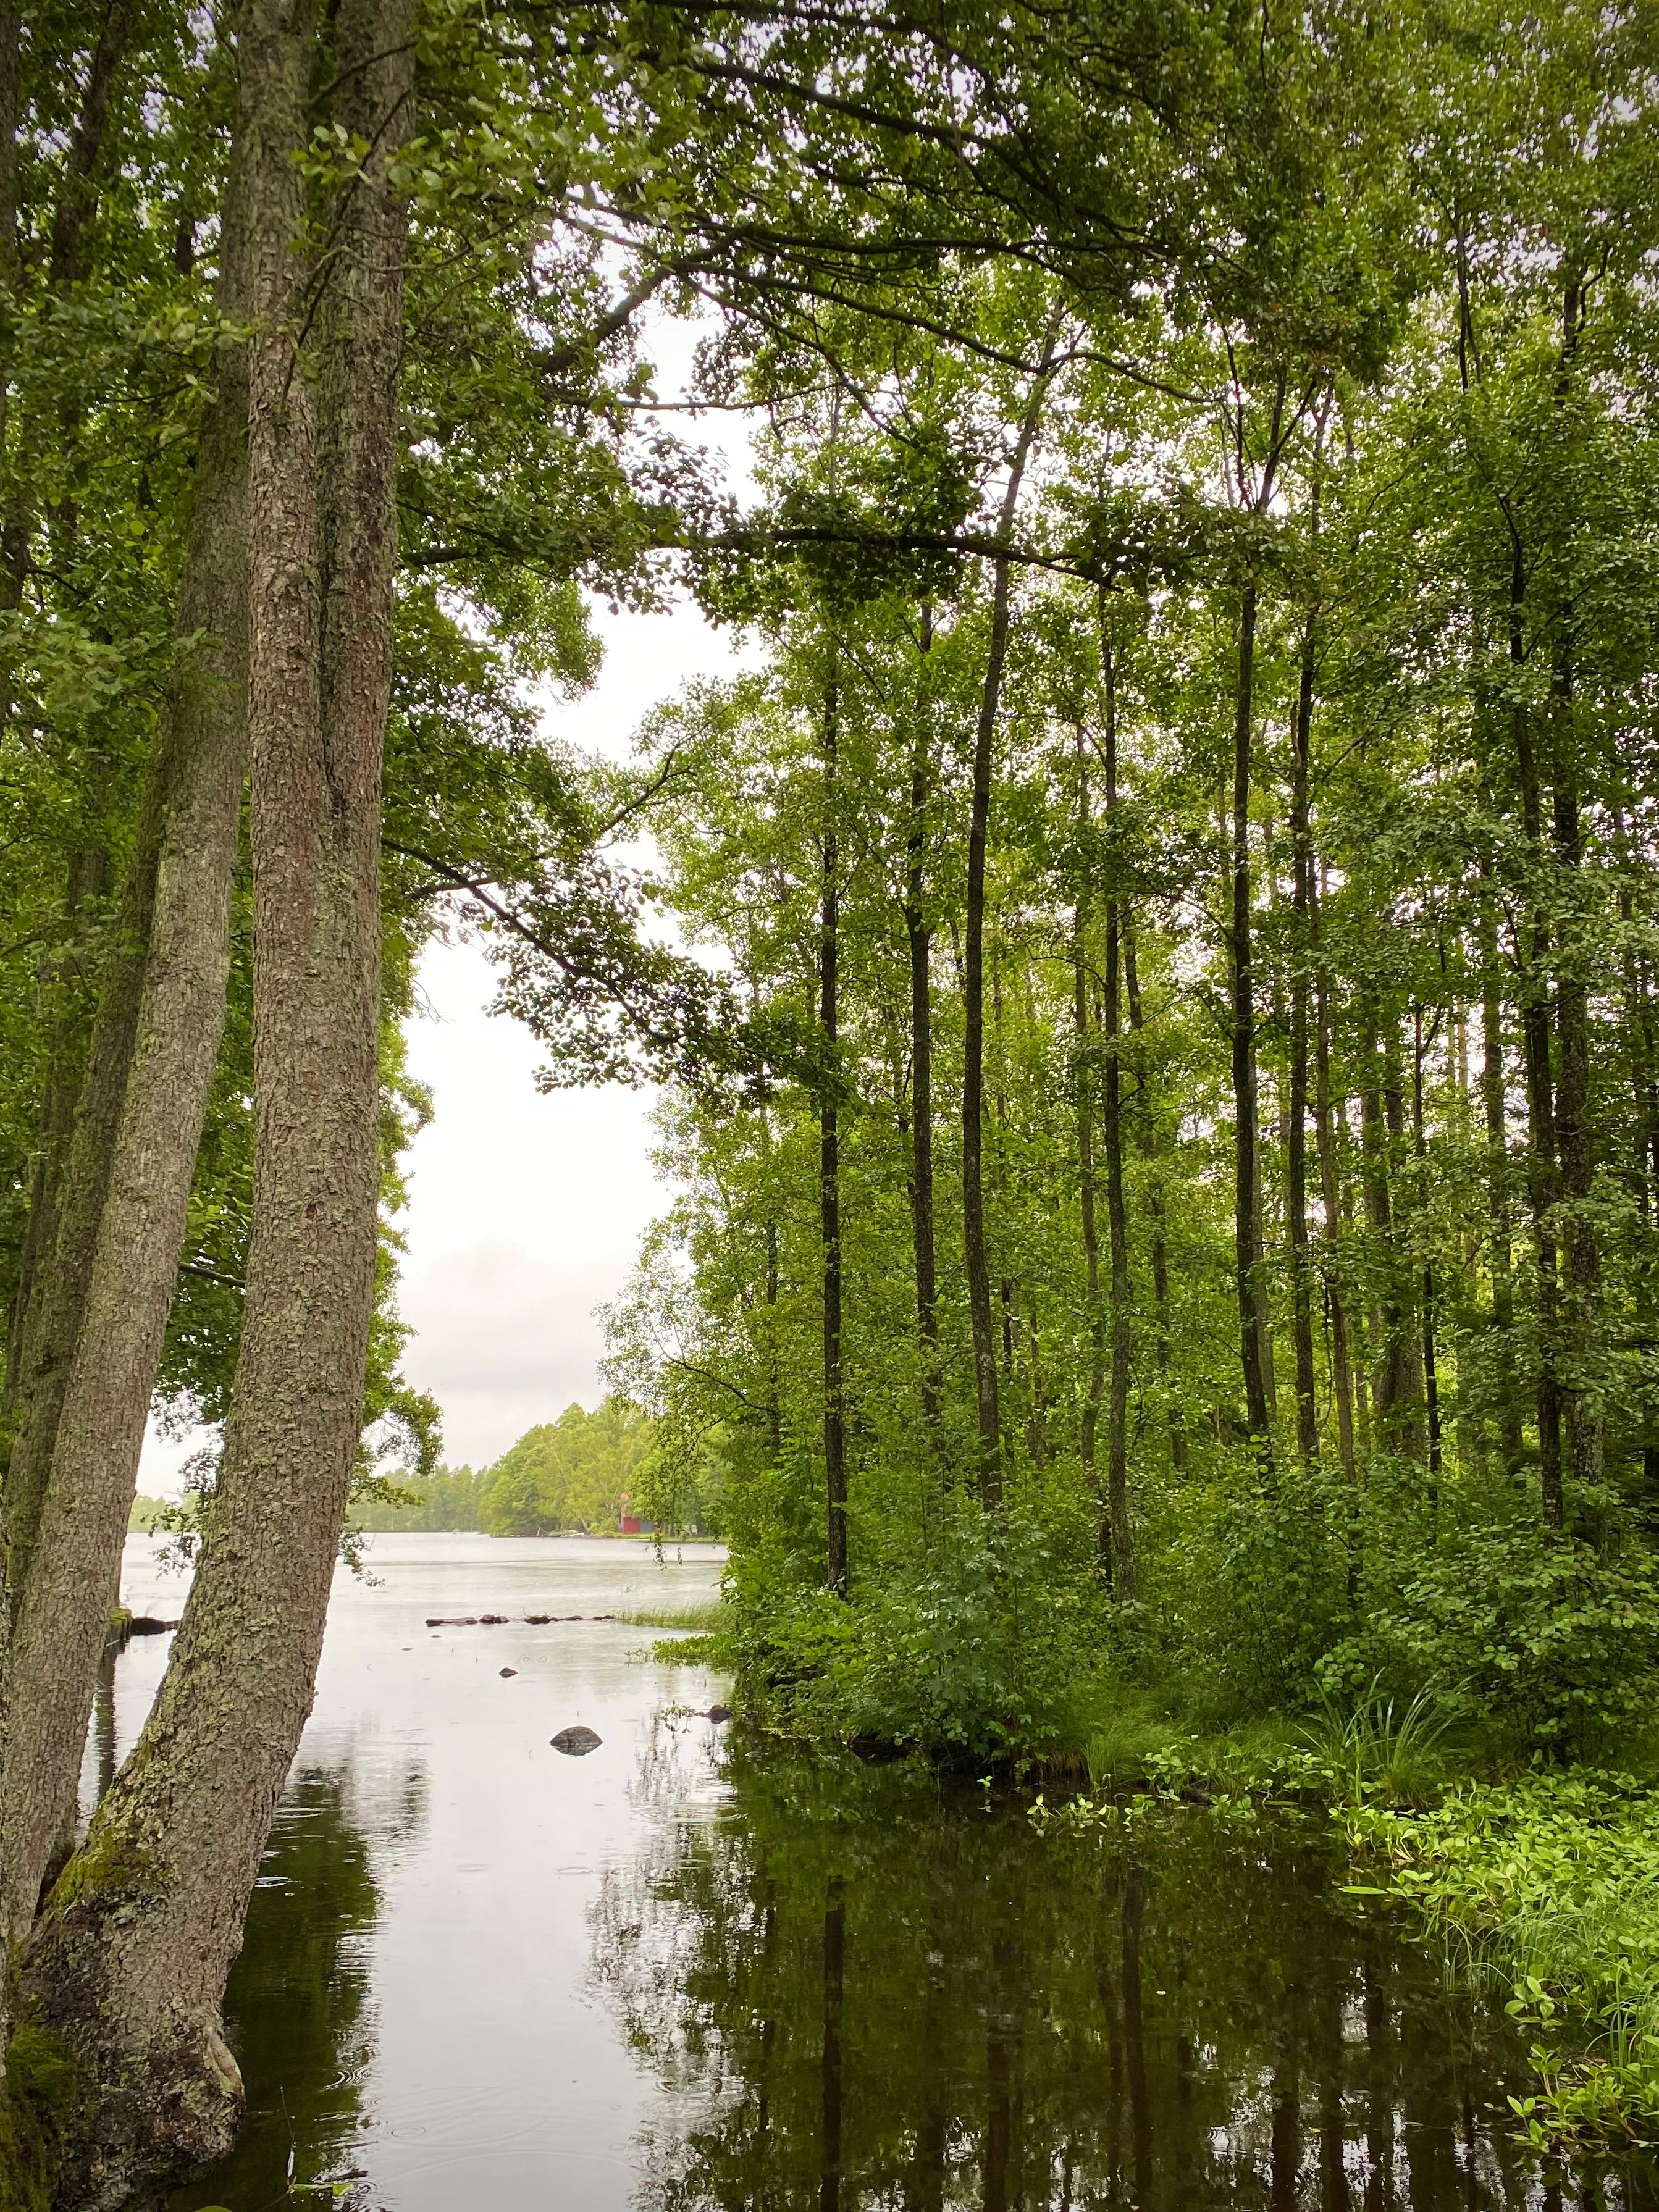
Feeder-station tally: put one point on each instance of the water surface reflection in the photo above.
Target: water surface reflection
(299, 2005)
(865, 1990)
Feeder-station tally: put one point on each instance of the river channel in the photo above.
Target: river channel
(680, 1973)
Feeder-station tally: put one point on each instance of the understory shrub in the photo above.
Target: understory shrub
(1253, 1594)
(1530, 1634)
(975, 1650)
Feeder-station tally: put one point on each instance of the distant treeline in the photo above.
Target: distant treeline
(448, 1500)
(582, 1472)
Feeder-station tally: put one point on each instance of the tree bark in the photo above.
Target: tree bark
(1156, 1221)
(1331, 1202)
(128, 1963)
(1494, 1100)
(1574, 1138)
(1095, 1389)
(1430, 1376)
(1257, 1419)
(834, 1407)
(1296, 1134)
(144, 1098)
(1534, 951)
(987, 1401)
(1391, 1371)
(1111, 1132)
(919, 939)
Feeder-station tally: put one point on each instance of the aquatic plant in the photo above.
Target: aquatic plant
(1548, 1885)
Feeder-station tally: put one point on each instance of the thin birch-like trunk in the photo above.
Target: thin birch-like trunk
(987, 1397)
(834, 1407)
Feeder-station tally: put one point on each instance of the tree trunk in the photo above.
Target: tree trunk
(1535, 952)
(834, 1407)
(1494, 1095)
(1573, 1136)
(1393, 1364)
(1330, 1201)
(1243, 1046)
(1111, 1131)
(1296, 1136)
(144, 1098)
(128, 1963)
(1156, 1225)
(987, 1401)
(1431, 1378)
(919, 941)
(1095, 1389)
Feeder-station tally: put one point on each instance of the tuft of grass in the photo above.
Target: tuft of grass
(699, 1619)
(1381, 1749)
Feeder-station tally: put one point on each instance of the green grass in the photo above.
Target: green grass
(1381, 1748)
(702, 1620)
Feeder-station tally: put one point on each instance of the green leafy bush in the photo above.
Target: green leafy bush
(977, 1654)
(1530, 1634)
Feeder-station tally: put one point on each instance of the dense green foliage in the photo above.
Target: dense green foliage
(1210, 1232)
(578, 1472)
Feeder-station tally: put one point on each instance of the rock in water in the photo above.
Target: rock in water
(575, 1743)
(506, 1671)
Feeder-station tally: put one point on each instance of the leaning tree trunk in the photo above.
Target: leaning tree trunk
(144, 1099)
(128, 1963)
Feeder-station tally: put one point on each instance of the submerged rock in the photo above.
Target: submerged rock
(575, 1743)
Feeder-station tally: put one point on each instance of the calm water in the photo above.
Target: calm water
(675, 1975)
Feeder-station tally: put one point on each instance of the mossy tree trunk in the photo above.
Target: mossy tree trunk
(144, 1097)
(128, 1963)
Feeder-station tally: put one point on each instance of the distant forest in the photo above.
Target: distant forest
(582, 1472)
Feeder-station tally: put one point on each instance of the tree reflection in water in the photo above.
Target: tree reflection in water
(861, 1990)
(297, 2007)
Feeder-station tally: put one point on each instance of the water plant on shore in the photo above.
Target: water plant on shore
(1548, 1885)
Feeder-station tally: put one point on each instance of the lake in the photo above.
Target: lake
(683, 1972)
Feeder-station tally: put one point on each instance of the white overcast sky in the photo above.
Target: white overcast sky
(525, 1209)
